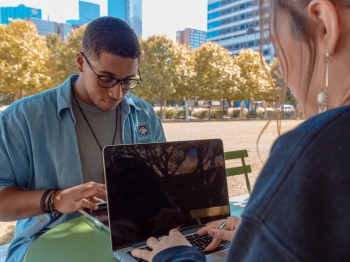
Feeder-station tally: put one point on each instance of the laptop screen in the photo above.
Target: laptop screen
(152, 188)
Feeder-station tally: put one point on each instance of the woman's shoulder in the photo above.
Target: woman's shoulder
(334, 124)
(319, 147)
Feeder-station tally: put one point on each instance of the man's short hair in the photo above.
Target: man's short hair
(111, 35)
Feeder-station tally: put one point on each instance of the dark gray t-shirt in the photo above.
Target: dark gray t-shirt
(103, 125)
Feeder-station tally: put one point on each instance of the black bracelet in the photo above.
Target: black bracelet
(42, 201)
(55, 213)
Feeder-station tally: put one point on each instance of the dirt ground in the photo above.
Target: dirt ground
(236, 135)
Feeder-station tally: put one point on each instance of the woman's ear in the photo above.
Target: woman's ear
(79, 60)
(326, 13)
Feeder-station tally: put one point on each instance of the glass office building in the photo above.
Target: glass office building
(192, 37)
(45, 27)
(21, 12)
(234, 24)
(88, 12)
(128, 10)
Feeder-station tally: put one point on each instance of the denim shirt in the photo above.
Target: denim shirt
(39, 150)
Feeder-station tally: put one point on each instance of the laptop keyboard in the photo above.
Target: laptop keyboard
(200, 242)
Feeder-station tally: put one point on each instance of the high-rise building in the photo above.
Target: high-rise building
(45, 27)
(88, 12)
(234, 24)
(21, 12)
(73, 22)
(192, 37)
(128, 10)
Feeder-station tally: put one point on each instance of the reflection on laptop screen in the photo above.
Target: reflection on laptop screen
(152, 188)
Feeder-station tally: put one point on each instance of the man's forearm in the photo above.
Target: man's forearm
(17, 204)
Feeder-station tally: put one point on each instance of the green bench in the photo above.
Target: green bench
(239, 170)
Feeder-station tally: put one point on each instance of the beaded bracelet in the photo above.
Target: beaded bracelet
(42, 201)
(55, 213)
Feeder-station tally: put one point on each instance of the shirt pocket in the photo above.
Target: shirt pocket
(144, 132)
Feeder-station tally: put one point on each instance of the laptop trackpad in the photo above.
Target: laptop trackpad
(217, 256)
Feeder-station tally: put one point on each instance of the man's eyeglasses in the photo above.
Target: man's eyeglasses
(106, 81)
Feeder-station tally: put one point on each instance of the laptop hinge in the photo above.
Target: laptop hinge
(139, 244)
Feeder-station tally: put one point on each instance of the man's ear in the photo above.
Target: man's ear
(326, 13)
(79, 60)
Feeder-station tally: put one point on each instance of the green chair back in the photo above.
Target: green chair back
(240, 170)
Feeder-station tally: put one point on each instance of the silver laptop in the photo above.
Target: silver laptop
(155, 187)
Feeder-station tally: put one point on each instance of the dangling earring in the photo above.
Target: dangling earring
(322, 97)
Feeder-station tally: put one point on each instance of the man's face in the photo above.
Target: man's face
(106, 99)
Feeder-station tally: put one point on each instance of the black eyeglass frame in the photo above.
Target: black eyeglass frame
(121, 81)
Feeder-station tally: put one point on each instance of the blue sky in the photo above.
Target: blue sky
(159, 16)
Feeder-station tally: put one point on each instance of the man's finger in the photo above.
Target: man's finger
(93, 192)
(144, 254)
(97, 200)
(88, 204)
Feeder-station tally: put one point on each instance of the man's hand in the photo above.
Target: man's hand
(175, 238)
(227, 233)
(73, 199)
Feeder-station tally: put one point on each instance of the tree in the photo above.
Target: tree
(23, 60)
(67, 53)
(215, 72)
(253, 81)
(161, 68)
(184, 86)
(287, 95)
(55, 44)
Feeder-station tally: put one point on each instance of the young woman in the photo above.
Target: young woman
(299, 209)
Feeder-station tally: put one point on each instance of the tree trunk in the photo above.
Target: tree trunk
(209, 110)
(163, 113)
(186, 110)
(11, 99)
(162, 108)
(248, 116)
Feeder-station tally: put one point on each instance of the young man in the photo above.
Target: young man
(50, 144)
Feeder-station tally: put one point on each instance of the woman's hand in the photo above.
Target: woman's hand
(175, 238)
(226, 233)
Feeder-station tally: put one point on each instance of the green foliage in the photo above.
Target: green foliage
(30, 63)
(163, 69)
(180, 114)
(202, 114)
(235, 112)
(170, 113)
(253, 82)
(215, 72)
(218, 113)
(288, 96)
(24, 58)
(66, 58)
(55, 44)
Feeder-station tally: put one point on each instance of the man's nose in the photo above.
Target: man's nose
(116, 91)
